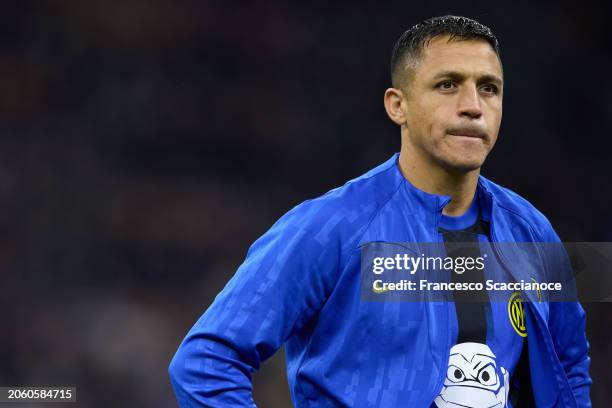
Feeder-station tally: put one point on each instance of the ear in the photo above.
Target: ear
(394, 105)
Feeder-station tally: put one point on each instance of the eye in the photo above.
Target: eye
(446, 85)
(455, 374)
(490, 89)
(486, 376)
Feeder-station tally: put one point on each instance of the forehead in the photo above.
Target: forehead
(475, 57)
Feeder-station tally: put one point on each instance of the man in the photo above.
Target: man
(300, 282)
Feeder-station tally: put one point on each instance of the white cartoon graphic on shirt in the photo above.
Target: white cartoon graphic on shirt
(473, 379)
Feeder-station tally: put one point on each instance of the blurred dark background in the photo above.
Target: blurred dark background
(145, 144)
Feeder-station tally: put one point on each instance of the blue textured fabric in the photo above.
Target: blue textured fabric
(300, 286)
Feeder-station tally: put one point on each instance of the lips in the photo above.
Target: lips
(468, 132)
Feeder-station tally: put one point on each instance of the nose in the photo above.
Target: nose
(469, 102)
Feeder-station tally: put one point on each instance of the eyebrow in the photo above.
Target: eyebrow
(458, 76)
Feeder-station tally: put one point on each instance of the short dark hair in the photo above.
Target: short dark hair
(410, 44)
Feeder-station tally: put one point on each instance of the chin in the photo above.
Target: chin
(457, 158)
(463, 165)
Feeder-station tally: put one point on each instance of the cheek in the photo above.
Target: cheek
(494, 114)
(494, 122)
(429, 119)
(439, 118)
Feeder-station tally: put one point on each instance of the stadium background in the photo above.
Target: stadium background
(145, 144)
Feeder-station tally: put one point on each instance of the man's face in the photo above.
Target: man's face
(454, 103)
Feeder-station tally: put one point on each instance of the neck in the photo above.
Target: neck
(435, 179)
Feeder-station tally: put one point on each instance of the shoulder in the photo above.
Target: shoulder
(346, 210)
(520, 208)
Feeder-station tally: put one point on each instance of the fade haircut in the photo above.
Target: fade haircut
(409, 47)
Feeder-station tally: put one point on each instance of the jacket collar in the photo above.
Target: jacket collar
(435, 203)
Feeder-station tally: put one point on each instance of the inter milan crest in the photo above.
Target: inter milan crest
(516, 313)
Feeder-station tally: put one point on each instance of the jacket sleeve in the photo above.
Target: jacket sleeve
(280, 286)
(567, 324)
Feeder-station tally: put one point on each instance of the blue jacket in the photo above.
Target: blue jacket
(299, 286)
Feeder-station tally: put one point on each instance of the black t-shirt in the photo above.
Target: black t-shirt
(488, 359)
